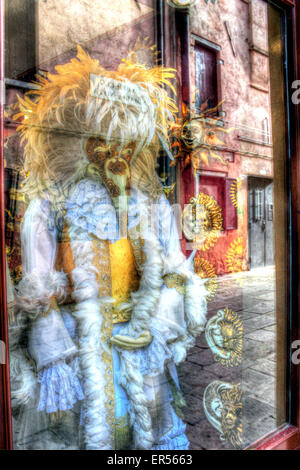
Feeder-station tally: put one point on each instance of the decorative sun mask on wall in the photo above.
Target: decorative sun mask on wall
(197, 138)
(224, 336)
(222, 404)
(202, 221)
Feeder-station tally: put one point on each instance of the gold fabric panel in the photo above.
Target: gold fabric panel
(124, 276)
(117, 277)
(102, 263)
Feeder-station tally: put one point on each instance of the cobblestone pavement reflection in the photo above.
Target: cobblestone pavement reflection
(252, 294)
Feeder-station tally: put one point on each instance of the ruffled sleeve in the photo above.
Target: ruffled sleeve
(60, 388)
(40, 282)
(38, 294)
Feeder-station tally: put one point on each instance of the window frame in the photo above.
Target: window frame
(215, 49)
(287, 436)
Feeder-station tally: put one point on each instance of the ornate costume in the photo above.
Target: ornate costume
(107, 304)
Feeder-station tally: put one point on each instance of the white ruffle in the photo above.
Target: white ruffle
(89, 211)
(60, 388)
(34, 291)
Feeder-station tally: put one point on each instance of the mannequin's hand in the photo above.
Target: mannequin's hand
(129, 343)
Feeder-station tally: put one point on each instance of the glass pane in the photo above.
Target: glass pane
(145, 169)
(234, 379)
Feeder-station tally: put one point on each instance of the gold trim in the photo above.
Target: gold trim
(102, 263)
(64, 257)
(174, 280)
(120, 316)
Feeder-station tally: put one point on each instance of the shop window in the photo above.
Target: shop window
(65, 262)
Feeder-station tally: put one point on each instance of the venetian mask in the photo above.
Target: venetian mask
(111, 163)
(192, 134)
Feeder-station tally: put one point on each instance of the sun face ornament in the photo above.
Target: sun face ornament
(198, 138)
(222, 404)
(224, 336)
(202, 221)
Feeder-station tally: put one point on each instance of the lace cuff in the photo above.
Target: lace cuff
(60, 388)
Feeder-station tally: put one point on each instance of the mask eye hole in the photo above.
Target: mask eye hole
(128, 151)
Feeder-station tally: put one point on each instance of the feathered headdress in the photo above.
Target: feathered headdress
(83, 99)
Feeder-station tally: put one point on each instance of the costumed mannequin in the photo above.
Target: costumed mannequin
(108, 304)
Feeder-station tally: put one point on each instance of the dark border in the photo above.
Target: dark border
(5, 407)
